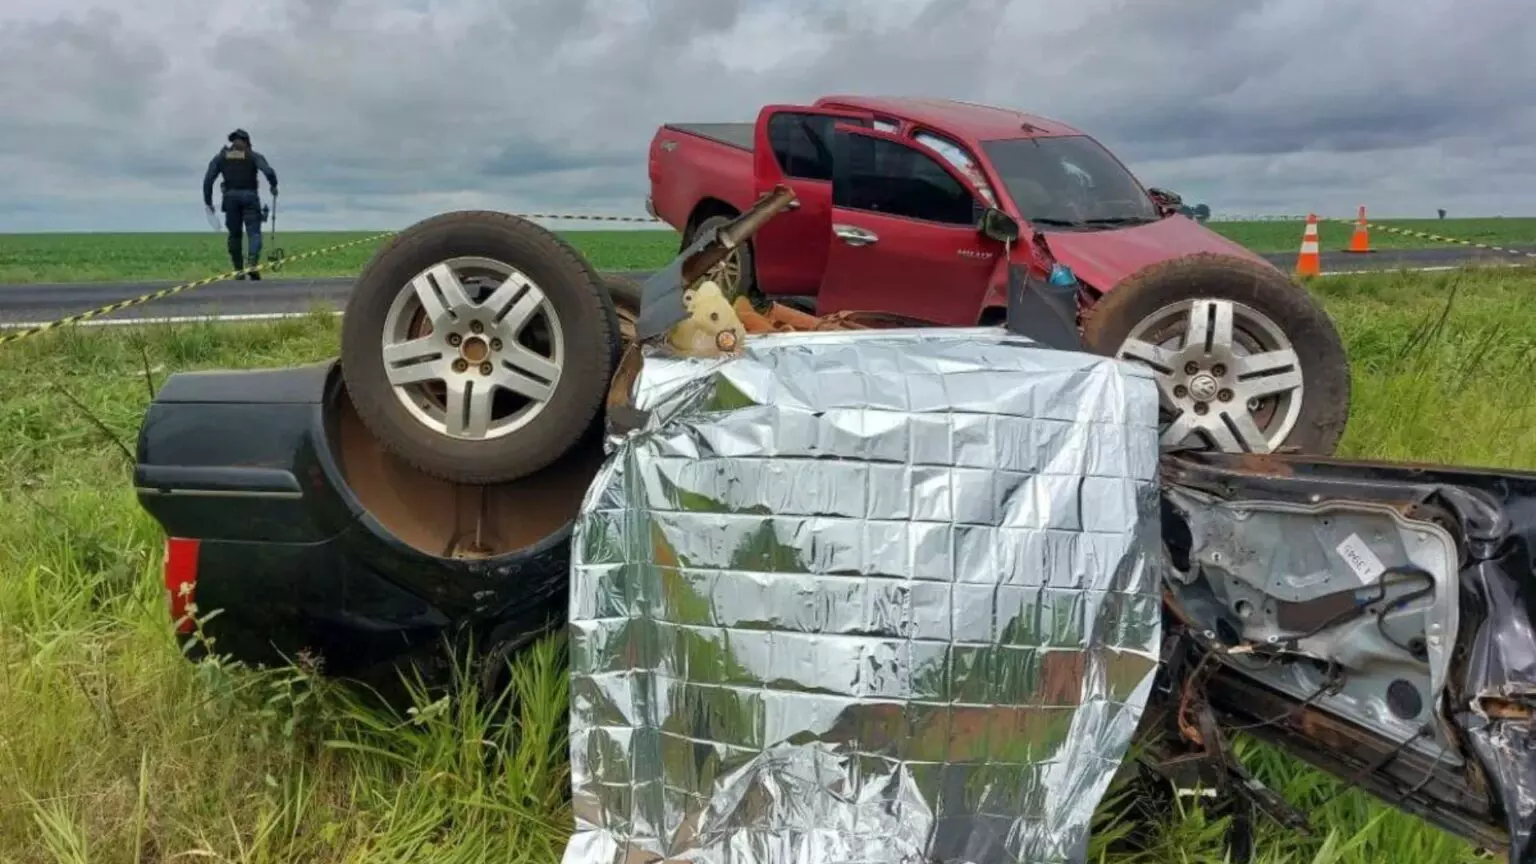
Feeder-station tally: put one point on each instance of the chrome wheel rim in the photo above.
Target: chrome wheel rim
(1227, 375)
(472, 348)
(727, 274)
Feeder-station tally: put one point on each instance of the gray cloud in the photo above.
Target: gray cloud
(380, 113)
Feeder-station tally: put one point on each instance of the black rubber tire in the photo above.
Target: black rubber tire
(748, 287)
(1324, 363)
(581, 303)
(610, 311)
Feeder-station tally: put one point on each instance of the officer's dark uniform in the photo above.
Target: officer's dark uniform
(242, 206)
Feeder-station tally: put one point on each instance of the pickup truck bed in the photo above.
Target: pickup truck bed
(701, 163)
(738, 135)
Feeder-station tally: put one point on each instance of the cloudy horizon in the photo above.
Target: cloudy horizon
(378, 114)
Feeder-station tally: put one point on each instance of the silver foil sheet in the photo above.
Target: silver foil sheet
(872, 596)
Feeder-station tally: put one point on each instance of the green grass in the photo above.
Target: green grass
(27, 258)
(114, 749)
(1285, 236)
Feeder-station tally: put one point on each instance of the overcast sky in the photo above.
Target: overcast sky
(378, 113)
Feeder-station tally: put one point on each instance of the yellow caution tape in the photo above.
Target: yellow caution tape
(276, 264)
(587, 218)
(177, 289)
(1425, 235)
(272, 265)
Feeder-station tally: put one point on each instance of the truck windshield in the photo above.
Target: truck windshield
(1069, 181)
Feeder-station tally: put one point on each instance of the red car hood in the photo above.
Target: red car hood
(1102, 259)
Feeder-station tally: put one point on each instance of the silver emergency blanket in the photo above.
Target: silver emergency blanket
(870, 596)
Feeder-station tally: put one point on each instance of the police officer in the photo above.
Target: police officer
(238, 164)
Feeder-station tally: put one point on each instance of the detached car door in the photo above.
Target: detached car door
(904, 233)
(793, 146)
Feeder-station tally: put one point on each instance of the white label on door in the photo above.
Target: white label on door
(1361, 559)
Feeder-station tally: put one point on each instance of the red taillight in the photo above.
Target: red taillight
(180, 578)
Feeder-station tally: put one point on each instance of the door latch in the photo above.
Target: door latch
(854, 236)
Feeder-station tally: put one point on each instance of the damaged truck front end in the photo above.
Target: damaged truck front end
(1373, 619)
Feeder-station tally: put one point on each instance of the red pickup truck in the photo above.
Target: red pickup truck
(898, 205)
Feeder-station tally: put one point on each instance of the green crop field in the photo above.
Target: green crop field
(113, 749)
(28, 258)
(1334, 236)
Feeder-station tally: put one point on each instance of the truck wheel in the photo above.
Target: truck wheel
(477, 346)
(1245, 359)
(735, 275)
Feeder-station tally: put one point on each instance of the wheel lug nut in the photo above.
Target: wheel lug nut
(477, 327)
(459, 365)
(455, 339)
(485, 368)
(495, 344)
(1181, 391)
(1201, 408)
(1225, 395)
(1218, 370)
(1191, 368)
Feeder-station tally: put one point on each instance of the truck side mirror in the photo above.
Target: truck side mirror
(999, 226)
(1166, 201)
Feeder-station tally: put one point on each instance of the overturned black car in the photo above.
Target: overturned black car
(1372, 619)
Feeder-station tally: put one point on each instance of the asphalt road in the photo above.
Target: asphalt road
(277, 296)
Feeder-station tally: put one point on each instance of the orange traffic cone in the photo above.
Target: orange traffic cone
(1309, 262)
(1360, 241)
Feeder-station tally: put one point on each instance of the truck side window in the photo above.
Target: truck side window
(802, 144)
(896, 180)
(959, 157)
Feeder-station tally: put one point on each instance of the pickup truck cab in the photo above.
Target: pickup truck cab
(891, 194)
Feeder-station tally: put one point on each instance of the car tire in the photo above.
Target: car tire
(745, 280)
(543, 349)
(1226, 395)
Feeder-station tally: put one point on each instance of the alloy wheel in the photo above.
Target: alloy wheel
(727, 274)
(1227, 375)
(473, 348)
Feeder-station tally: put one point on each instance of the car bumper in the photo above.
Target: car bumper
(278, 559)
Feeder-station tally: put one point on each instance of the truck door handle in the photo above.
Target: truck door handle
(854, 236)
(794, 204)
